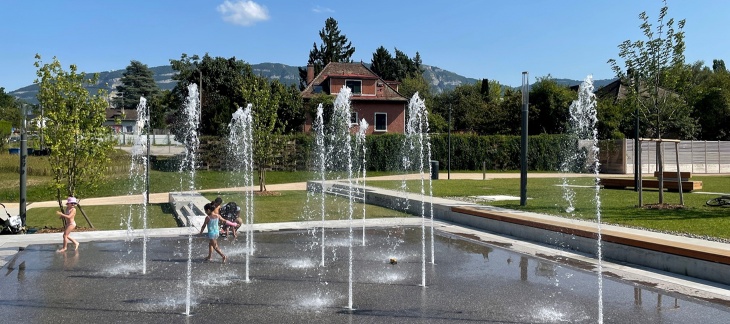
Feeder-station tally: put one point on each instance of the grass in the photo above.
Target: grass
(290, 206)
(286, 207)
(617, 206)
(111, 217)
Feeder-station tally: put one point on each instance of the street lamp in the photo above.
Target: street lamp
(23, 164)
(449, 142)
(147, 167)
(523, 144)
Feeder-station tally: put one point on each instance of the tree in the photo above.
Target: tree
(220, 81)
(383, 64)
(409, 86)
(328, 107)
(79, 142)
(718, 66)
(407, 67)
(334, 48)
(652, 65)
(711, 103)
(9, 109)
(291, 108)
(265, 102)
(137, 81)
(396, 68)
(159, 105)
(615, 118)
(508, 118)
(468, 109)
(549, 103)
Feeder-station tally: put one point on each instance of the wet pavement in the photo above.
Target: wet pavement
(471, 281)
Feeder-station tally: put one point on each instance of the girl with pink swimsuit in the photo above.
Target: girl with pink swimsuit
(68, 216)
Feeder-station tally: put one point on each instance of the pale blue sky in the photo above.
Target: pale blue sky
(474, 38)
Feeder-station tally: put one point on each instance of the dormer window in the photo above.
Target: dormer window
(354, 85)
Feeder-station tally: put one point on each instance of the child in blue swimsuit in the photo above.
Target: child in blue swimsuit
(211, 221)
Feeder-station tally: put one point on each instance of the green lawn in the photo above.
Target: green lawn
(111, 217)
(289, 206)
(617, 206)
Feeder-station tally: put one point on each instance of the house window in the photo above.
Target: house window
(353, 118)
(381, 122)
(317, 89)
(354, 85)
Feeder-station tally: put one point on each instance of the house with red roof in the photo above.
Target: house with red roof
(373, 99)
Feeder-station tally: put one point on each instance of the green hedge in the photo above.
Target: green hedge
(468, 152)
(499, 152)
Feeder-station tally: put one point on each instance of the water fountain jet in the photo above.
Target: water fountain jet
(584, 139)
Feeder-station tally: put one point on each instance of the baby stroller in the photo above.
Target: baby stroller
(11, 224)
(232, 213)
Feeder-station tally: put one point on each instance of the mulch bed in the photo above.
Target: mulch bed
(664, 206)
(267, 193)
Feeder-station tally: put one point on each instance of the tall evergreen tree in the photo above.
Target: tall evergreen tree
(718, 66)
(382, 64)
(334, 48)
(396, 68)
(137, 81)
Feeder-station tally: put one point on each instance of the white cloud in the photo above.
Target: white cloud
(319, 9)
(244, 13)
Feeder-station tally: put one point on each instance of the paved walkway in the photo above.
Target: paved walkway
(158, 198)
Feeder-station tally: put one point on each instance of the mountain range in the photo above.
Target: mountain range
(440, 80)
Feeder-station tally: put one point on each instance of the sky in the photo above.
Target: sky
(481, 39)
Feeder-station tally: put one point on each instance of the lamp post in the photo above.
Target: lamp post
(449, 169)
(147, 167)
(523, 144)
(23, 166)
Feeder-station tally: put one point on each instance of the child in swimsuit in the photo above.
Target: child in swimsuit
(211, 221)
(68, 217)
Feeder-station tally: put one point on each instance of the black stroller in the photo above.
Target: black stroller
(232, 213)
(11, 224)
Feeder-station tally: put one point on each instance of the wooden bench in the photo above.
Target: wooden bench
(672, 176)
(669, 184)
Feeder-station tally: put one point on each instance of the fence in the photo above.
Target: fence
(694, 156)
(128, 139)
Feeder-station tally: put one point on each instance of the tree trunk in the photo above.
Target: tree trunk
(262, 179)
(660, 169)
(85, 217)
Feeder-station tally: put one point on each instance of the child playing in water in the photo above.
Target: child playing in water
(68, 217)
(211, 221)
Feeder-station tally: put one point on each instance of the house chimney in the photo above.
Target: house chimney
(310, 73)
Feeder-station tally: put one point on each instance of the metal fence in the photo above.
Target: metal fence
(128, 139)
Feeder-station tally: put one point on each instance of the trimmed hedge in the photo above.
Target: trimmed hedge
(468, 152)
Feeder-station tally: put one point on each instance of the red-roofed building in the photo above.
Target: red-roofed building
(373, 99)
